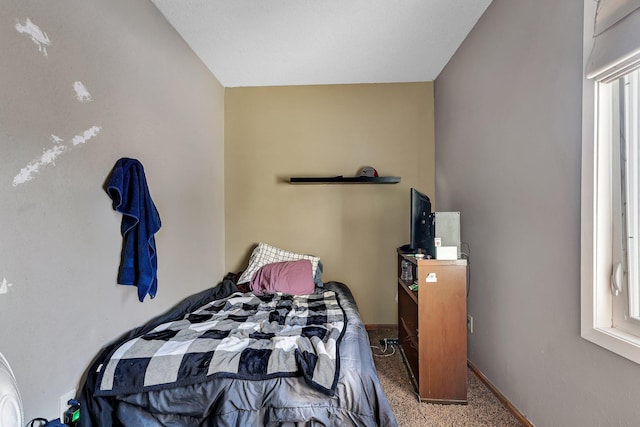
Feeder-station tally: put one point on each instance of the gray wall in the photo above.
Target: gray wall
(153, 100)
(508, 149)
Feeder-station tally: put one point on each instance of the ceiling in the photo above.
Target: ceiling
(311, 42)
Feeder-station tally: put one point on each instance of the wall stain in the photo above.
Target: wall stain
(38, 36)
(50, 155)
(4, 286)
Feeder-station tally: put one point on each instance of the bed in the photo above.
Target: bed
(329, 379)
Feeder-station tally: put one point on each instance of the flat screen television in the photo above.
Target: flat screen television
(421, 237)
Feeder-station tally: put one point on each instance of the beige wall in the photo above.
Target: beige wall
(60, 238)
(273, 133)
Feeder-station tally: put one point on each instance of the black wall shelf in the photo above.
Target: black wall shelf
(347, 180)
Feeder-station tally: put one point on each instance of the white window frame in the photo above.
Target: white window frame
(597, 216)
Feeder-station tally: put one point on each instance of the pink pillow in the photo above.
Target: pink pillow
(289, 277)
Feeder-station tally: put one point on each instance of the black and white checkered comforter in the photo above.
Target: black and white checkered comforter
(241, 336)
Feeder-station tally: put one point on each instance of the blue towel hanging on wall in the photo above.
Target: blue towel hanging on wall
(140, 221)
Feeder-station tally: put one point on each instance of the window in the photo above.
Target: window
(625, 283)
(611, 177)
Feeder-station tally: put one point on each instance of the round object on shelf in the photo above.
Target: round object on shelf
(368, 172)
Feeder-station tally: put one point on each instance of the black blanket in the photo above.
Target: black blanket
(241, 336)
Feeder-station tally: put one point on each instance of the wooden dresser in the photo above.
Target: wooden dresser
(432, 328)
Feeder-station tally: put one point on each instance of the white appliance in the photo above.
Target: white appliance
(446, 233)
(11, 411)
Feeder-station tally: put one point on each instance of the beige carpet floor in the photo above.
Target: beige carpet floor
(483, 408)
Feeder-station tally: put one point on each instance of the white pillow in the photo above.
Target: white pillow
(266, 254)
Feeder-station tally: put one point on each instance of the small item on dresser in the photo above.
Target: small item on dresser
(447, 252)
(406, 274)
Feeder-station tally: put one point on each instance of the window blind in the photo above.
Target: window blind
(616, 45)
